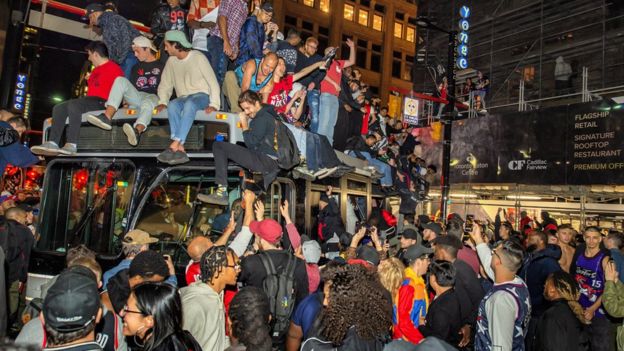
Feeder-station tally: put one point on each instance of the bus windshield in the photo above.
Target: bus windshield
(89, 204)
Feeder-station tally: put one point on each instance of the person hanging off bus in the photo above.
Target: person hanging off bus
(99, 85)
(139, 91)
(117, 34)
(190, 74)
(258, 123)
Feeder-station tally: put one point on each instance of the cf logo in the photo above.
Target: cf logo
(516, 165)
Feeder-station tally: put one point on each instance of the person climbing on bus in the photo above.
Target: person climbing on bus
(190, 74)
(99, 84)
(139, 91)
(258, 124)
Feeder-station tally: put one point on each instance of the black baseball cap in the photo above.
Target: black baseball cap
(95, 7)
(267, 7)
(410, 233)
(433, 226)
(72, 302)
(448, 240)
(416, 251)
(368, 254)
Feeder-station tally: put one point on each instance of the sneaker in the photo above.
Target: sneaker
(219, 197)
(303, 172)
(178, 158)
(68, 149)
(100, 121)
(49, 148)
(132, 133)
(165, 156)
(321, 171)
(329, 172)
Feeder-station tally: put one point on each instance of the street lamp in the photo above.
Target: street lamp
(447, 116)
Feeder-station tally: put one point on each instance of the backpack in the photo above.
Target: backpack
(280, 289)
(284, 144)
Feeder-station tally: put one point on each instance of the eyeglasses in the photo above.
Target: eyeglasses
(236, 267)
(126, 309)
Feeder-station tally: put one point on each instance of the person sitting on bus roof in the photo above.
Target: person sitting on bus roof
(255, 75)
(99, 84)
(138, 91)
(258, 124)
(190, 74)
(117, 34)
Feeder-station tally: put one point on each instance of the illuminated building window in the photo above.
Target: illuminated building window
(308, 3)
(398, 30)
(348, 12)
(377, 22)
(363, 17)
(324, 5)
(410, 33)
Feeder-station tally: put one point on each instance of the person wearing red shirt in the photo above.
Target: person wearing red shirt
(330, 89)
(99, 85)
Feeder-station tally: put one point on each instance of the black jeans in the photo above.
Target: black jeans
(73, 109)
(249, 159)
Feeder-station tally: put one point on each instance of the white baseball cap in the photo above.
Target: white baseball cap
(143, 42)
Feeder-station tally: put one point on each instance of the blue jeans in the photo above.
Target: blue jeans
(328, 115)
(313, 103)
(181, 112)
(128, 63)
(382, 167)
(216, 57)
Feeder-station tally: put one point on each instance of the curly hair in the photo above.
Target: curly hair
(356, 299)
(391, 274)
(250, 314)
(213, 262)
(567, 287)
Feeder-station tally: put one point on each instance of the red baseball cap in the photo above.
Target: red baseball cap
(267, 229)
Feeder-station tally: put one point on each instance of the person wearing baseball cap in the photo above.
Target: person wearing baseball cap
(135, 242)
(117, 34)
(413, 299)
(189, 73)
(431, 231)
(71, 310)
(268, 235)
(409, 237)
(253, 34)
(139, 91)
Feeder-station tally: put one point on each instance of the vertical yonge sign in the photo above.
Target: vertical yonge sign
(19, 97)
(462, 48)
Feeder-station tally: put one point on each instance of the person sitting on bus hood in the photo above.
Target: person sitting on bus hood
(12, 152)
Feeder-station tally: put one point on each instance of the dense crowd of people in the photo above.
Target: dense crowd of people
(446, 285)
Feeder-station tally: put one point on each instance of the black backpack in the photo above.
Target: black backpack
(284, 144)
(280, 289)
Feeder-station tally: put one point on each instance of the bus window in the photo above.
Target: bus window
(89, 205)
(170, 213)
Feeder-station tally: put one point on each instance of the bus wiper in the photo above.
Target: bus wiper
(191, 219)
(82, 222)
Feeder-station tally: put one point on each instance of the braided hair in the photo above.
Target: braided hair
(250, 314)
(567, 287)
(356, 299)
(213, 262)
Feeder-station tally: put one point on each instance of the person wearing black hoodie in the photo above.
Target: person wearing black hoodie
(542, 261)
(258, 124)
(329, 220)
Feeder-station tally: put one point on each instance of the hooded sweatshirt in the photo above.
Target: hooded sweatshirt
(536, 268)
